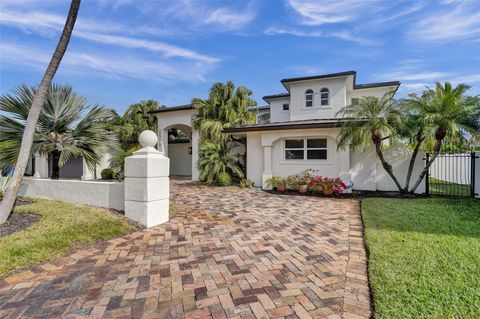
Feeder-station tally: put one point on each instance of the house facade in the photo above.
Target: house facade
(296, 130)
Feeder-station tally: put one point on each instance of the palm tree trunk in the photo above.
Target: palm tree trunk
(55, 165)
(8, 201)
(436, 151)
(420, 139)
(377, 141)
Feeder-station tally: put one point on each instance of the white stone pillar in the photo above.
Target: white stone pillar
(164, 139)
(87, 173)
(147, 183)
(195, 149)
(267, 165)
(41, 166)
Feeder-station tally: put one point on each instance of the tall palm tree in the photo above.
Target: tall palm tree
(374, 120)
(413, 127)
(9, 199)
(449, 113)
(225, 107)
(65, 128)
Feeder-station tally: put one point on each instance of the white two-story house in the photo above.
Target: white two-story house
(297, 130)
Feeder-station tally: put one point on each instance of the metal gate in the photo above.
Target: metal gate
(451, 174)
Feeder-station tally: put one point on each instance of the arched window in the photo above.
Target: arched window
(309, 98)
(324, 96)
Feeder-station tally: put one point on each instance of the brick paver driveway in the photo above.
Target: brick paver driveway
(229, 253)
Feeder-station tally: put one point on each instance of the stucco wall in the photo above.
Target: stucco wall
(101, 194)
(277, 114)
(337, 98)
(254, 158)
(180, 160)
(376, 92)
(363, 169)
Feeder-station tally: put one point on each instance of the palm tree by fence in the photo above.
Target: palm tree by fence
(27, 139)
(372, 119)
(65, 128)
(448, 113)
(225, 107)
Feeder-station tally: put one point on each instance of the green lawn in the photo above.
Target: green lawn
(424, 257)
(438, 187)
(61, 227)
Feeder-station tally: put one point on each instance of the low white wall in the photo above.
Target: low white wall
(101, 194)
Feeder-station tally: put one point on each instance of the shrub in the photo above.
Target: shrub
(246, 183)
(275, 181)
(305, 176)
(317, 183)
(224, 179)
(107, 173)
(293, 181)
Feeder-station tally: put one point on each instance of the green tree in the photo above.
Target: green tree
(34, 112)
(225, 107)
(65, 128)
(370, 120)
(449, 113)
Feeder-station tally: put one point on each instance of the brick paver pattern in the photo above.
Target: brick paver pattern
(229, 253)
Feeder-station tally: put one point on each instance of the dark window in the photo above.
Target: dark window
(309, 98)
(324, 96)
(293, 143)
(286, 106)
(310, 149)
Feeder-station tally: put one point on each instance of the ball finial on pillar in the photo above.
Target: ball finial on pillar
(148, 138)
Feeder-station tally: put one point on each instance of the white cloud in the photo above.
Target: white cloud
(229, 18)
(314, 12)
(447, 24)
(343, 35)
(105, 65)
(51, 24)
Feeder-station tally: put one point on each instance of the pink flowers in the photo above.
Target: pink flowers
(327, 185)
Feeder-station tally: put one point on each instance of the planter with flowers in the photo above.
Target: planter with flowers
(300, 181)
(277, 183)
(326, 185)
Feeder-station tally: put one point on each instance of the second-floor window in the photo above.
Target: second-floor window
(324, 97)
(286, 107)
(309, 98)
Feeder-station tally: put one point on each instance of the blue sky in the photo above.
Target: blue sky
(125, 51)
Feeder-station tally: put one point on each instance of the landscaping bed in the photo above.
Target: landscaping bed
(60, 227)
(424, 257)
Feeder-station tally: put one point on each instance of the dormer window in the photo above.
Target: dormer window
(309, 98)
(324, 97)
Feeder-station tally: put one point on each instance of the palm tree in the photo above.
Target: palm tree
(449, 113)
(24, 155)
(65, 129)
(413, 127)
(374, 120)
(225, 107)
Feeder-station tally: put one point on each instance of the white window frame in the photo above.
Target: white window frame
(305, 150)
(312, 93)
(328, 97)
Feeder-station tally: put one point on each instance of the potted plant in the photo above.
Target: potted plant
(332, 185)
(292, 181)
(278, 183)
(303, 179)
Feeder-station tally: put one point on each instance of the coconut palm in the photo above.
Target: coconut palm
(449, 113)
(370, 120)
(9, 200)
(65, 128)
(225, 107)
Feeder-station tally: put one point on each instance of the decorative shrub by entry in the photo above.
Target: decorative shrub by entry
(107, 173)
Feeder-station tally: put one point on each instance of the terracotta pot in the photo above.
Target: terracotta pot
(327, 191)
(282, 188)
(302, 188)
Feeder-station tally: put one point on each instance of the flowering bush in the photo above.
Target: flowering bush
(319, 183)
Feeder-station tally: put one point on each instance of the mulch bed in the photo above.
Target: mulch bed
(18, 222)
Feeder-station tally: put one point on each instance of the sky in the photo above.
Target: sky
(125, 51)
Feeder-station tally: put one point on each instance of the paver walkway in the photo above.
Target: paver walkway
(229, 253)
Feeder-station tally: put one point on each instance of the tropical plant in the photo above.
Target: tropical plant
(293, 181)
(217, 160)
(372, 119)
(65, 129)
(246, 183)
(449, 113)
(107, 174)
(225, 107)
(275, 181)
(34, 112)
